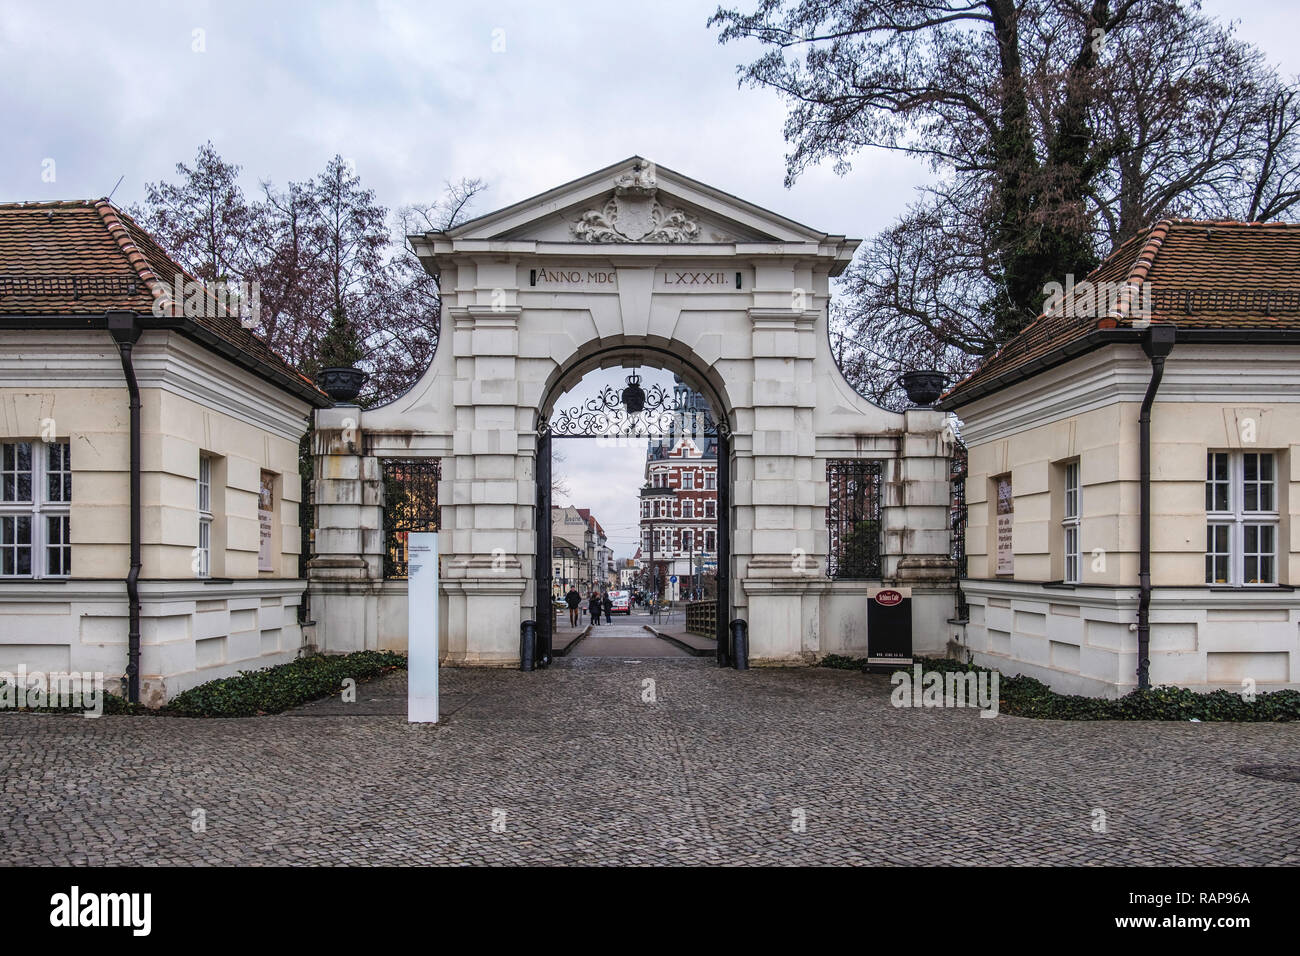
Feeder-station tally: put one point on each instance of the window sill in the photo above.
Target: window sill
(1238, 588)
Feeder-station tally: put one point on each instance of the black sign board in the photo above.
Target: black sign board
(889, 626)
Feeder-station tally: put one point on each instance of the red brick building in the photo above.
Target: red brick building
(679, 506)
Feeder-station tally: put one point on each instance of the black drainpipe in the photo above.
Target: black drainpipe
(126, 333)
(1157, 343)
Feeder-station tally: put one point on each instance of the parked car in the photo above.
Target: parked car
(621, 601)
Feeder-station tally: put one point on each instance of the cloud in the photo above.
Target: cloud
(523, 95)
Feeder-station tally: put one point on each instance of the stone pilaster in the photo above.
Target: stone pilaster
(783, 571)
(346, 568)
(918, 535)
(488, 517)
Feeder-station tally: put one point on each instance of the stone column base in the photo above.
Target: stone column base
(482, 619)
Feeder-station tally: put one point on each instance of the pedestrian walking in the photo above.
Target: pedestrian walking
(593, 607)
(608, 607)
(574, 600)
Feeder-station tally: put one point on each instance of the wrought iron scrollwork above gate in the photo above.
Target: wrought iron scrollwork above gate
(610, 414)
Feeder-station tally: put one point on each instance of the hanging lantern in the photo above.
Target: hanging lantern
(634, 395)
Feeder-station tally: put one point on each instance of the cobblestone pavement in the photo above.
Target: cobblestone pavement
(575, 764)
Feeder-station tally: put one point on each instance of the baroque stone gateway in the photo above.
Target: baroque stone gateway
(637, 265)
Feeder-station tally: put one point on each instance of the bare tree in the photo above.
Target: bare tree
(203, 219)
(1055, 128)
(407, 318)
(338, 283)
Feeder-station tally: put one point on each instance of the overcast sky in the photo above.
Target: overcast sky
(524, 95)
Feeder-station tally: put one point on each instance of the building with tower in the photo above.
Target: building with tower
(679, 516)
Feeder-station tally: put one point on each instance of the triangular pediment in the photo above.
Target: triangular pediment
(635, 202)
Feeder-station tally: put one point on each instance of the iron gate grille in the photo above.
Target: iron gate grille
(957, 514)
(410, 504)
(853, 517)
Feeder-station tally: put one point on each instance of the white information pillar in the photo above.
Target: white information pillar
(422, 627)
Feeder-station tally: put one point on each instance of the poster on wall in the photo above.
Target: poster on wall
(265, 517)
(1006, 504)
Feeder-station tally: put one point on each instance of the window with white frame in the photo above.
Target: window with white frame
(688, 508)
(688, 541)
(1241, 528)
(709, 541)
(35, 498)
(688, 480)
(1070, 524)
(710, 481)
(204, 564)
(709, 508)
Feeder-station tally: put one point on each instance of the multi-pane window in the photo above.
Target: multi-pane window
(688, 541)
(709, 541)
(688, 508)
(688, 480)
(35, 498)
(1070, 523)
(710, 481)
(710, 507)
(1241, 528)
(204, 564)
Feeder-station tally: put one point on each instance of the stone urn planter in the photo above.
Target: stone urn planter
(341, 384)
(922, 388)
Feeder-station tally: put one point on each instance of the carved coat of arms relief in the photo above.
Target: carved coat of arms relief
(634, 214)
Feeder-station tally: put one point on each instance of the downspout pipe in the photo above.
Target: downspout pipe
(1157, 344)
(126, 332)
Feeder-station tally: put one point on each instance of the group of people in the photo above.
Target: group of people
(598, 601)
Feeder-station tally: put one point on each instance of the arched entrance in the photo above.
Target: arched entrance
(638, 265)
(657, 415)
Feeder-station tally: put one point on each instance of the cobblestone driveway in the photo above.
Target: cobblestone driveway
(578, 768)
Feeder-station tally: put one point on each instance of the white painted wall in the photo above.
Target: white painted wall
(1078, 638)
(192, 401)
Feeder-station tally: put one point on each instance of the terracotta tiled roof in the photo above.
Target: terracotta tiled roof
(1196, 274)
(591, 522)
(87, 257)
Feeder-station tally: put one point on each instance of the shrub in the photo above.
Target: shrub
(276, 689)
(113, 704)
(1026, 697)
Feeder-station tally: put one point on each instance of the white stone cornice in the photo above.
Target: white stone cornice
(163, 360)
(492, 316)
(766, 318)
(1260, 374)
